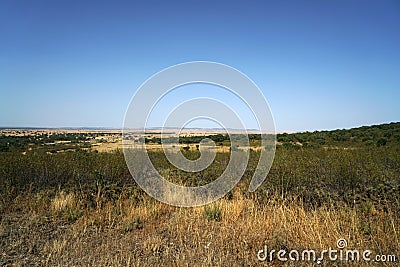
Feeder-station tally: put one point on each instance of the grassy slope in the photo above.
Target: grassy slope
(83, 208)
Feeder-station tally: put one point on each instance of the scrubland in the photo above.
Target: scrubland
(83, 208)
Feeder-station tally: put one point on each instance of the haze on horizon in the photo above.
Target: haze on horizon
(321, 65)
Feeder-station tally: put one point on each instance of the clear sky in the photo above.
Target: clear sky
(320, 64)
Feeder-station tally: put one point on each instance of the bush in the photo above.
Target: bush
(381, 142)
(213, 213)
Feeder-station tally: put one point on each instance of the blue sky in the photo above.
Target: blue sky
(320, 64)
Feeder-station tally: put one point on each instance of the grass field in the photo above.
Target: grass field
(83, 208)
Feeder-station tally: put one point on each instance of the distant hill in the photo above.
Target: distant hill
(366, 136)
(375, 135)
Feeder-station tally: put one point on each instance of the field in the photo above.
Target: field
(65, 202)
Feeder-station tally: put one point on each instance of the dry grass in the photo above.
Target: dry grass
(84, 209)
(124, 233)
(63, 201)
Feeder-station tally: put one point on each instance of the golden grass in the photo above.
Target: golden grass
(63, 201)
(124, 233)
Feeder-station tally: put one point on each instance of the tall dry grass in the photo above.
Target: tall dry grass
(123, 233)
(83, 209)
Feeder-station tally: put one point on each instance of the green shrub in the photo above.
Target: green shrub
(213, 213)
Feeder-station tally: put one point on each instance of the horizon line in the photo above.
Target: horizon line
(159, 128)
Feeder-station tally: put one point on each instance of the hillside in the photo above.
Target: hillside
(83, 208)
